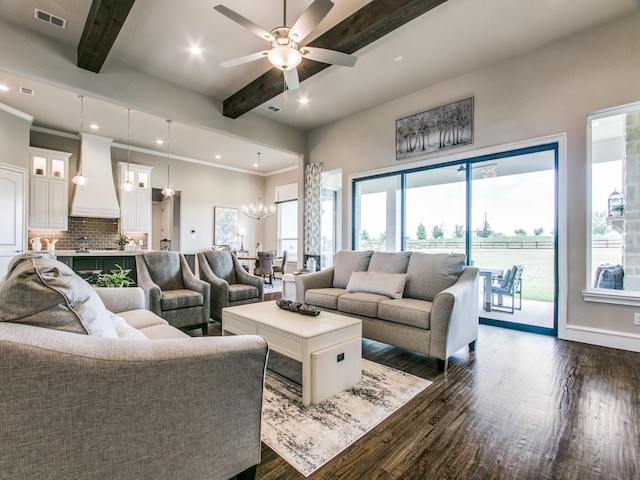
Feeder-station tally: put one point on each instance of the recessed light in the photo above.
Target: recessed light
(159, 141)
(255, 165)
(4, 88)
(195, 50)
(218, 157)
(93, 126)
(399, 58)
(304, 100)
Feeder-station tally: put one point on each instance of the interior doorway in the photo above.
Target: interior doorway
(165, 221)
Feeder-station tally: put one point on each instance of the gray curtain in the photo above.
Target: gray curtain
(312, 209)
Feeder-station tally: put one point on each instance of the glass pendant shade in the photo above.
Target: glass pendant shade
(79, 178)
(168, 191)
(127, 186)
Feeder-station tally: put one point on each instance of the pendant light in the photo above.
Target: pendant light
(80, 179)
(168, 191)
(258, 210)
(127, 186)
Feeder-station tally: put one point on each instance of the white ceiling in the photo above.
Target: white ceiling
(457, 37)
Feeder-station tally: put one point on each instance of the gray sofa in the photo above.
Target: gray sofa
(427, 303)
(150, 402)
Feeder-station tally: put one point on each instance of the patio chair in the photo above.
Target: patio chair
(507, 285)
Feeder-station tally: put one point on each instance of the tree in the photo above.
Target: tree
(421, 232)
(458, 231)
(485, 231)
(364, 236)
(383, 237)
(538, 231)
(521, 232)
(599, 222)
(437, 231)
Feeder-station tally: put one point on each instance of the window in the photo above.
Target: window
(613, 144)
(377, 215)
(288, 229)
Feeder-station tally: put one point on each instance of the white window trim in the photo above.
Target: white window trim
(603, 295)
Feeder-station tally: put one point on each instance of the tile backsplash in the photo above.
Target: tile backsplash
(101, 232)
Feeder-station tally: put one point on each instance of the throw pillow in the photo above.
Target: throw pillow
(46, 293)
(388, 284)
(389, 262)
(124, 330)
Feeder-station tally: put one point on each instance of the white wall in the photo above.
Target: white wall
(548, 91)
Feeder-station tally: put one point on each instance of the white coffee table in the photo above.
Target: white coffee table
(329, 346)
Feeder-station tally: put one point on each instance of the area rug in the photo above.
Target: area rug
(308, 437)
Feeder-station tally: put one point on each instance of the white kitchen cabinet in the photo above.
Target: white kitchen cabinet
(135, 205)
(49, 190)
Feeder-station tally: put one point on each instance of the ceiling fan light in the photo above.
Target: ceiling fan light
(284, 58)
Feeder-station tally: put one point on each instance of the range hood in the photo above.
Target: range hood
(98, 198)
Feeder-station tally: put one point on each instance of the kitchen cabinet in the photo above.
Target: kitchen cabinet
(49, 190)
(135, 205)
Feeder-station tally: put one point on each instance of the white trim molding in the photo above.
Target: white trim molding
(603, 337)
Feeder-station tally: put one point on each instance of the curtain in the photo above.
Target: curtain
(312, 209)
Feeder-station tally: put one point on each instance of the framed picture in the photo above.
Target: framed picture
(440, 128)
(225, 226)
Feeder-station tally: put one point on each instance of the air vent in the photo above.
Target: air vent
(47, 17)
(273, 108)
(26, 91)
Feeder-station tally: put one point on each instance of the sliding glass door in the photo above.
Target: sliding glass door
(499, 210)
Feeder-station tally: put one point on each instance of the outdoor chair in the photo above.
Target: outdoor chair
(507, 285)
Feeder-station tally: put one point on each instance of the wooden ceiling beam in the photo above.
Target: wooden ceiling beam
(105, 19)
(371, 22)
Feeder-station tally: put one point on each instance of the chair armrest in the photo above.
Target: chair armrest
(307, 281)
(245, 277)
(102, 412)
(454, 315)
(121, 299)
(152, 292)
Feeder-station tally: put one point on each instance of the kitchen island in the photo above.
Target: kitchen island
(107, 260)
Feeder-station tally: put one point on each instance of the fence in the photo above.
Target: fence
(510, 244)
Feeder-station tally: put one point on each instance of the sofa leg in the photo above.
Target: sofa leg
(442, 364)
(205, 329)
(472, 346)
(248, 474)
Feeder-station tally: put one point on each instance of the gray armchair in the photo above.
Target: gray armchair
(172, 291)
(230, 284)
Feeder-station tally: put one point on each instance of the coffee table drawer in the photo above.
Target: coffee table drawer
(282, 342)
(238, 326)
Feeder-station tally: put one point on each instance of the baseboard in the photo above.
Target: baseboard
(603, 338)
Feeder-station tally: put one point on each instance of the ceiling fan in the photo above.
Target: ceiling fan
(285, 52)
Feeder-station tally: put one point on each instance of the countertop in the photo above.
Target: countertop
(96, 253)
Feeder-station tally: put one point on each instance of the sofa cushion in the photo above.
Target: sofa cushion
(46, 293)
(388, 284)
(389, 262)
(365, 304)
(142, 318)
(240, 291)
(428, 274)
(161, 332)
(346, 263)
(180, 298)
(407, 311)
(324, 297)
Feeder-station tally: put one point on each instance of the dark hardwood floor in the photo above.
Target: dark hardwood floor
(522, 406)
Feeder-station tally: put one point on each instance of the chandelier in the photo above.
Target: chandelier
(258, 210)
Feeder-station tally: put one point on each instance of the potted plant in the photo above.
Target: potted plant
(121, 241)
(116, 279)
(617, 210)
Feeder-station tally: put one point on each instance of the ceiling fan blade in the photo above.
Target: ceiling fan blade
(244, 59)
(291, 77)
(245, 22)
(331, 57)
(310, 19)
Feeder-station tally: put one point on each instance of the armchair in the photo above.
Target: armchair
(230, 284)
(172, 291)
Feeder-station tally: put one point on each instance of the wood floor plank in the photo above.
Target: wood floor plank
(523, 406)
